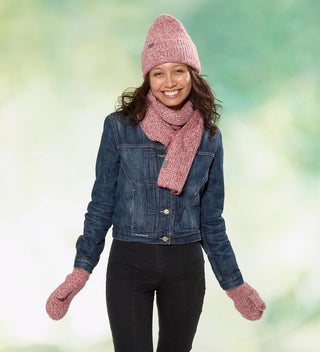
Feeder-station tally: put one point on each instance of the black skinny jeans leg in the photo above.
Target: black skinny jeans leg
(179, 301)
(135, 272)
(130, 309)
(129, 298)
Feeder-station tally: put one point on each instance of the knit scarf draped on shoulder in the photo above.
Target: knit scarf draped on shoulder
(181, 134)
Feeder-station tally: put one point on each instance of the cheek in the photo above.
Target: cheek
(186, 82)
(154, 85)
(188, 85)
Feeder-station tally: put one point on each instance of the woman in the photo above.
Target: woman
(159, 182)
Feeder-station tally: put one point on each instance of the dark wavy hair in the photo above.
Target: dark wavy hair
(133, 102)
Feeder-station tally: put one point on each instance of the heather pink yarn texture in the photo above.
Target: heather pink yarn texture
(180, 133)
(247, 301)
(59, 301)
(168, 41)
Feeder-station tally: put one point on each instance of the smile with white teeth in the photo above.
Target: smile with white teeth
(170, 93)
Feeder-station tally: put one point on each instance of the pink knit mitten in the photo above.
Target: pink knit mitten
(247, 301)
(60, 299)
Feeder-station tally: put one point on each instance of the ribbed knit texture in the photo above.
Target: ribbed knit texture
(59, 301)
(168, 41)
(247, 301)
(180, 133)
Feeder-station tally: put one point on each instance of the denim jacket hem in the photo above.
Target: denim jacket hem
(165, 238)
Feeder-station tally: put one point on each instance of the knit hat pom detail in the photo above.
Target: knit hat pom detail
(168, 41)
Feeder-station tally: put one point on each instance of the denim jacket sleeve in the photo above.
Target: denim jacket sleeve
(98, 218)
(214, 238)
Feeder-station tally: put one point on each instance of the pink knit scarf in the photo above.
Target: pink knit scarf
(180, 133)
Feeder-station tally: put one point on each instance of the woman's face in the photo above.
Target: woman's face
(171, 84)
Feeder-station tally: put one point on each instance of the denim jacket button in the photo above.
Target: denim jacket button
(166, 211)
(164, 238)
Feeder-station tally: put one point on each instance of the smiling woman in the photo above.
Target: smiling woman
(159, 183)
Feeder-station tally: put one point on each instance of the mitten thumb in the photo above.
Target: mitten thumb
(59, 301)
(247, 301)
(257, 301)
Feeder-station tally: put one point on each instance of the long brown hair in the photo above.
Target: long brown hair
(133, 102)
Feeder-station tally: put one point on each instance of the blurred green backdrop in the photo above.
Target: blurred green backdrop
(63, 63)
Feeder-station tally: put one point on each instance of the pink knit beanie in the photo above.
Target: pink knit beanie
(168, 41)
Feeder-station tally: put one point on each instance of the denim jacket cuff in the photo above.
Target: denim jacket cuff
(232, 281)
(83, 263)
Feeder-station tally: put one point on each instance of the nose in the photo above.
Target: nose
(169, 80)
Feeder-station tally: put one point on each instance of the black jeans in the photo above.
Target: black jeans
(135, 272)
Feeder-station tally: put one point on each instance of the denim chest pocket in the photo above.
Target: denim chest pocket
(154, 160)
(199, 172)
(141, 165)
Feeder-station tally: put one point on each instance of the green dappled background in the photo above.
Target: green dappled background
(63, 65)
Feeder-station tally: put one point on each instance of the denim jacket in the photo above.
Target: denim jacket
(126, 196)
